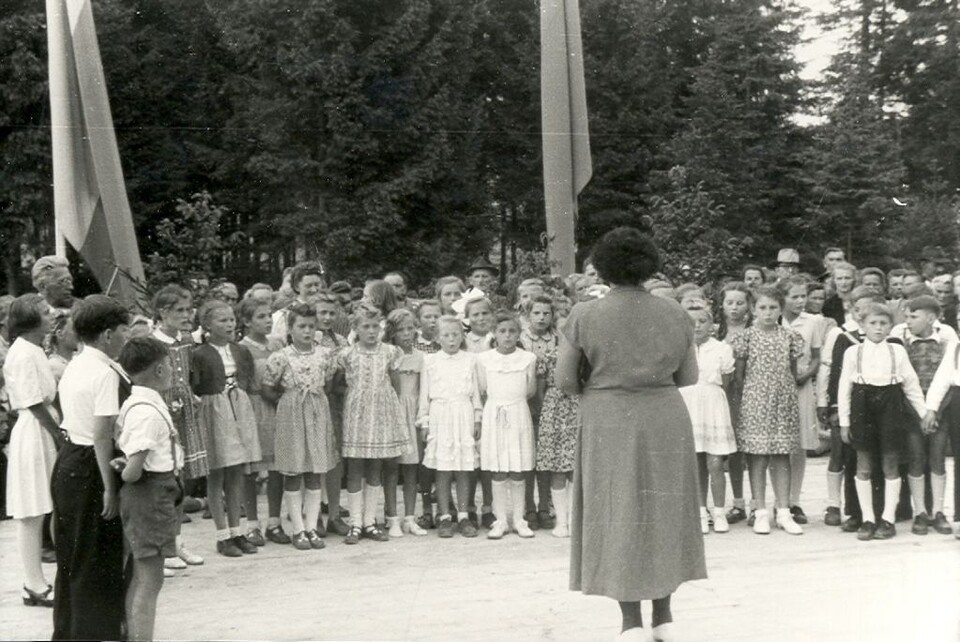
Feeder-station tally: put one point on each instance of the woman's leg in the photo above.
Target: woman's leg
(141, 599)
(29, 542)
(410, 489)
(780, 476)
(661, 611)
(758, 480)
(703, 476)
(632, 619)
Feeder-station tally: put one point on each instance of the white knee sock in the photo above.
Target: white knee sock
(311, 507)
(891, 495)
(370, 494)
(916, 492)
(938, 485)
(355, 506)
(294, 500)
(834, 484)
(500, 502)
(560, 505)
(865, 495)
(517, 500)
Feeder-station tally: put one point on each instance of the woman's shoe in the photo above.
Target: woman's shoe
(168, 573)
(393, 527)
(189, 557)
(301, 542)
(411, 527)
(174, 563)
(663, 633)
(636, 634)
(315, 540)
(761, 522)
(30, 598)
(785, 521)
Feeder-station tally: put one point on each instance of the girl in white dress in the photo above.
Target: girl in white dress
(450, 412)
(708, 404)
(508, 377)
(34, 439)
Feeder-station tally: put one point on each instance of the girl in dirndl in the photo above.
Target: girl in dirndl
(223, 373)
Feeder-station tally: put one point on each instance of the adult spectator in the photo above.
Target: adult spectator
(831, 257)
(482, 276)
(837, 307)
(788, 263)
(344, 294)
(875, 279)
(753, 276)
(226, 292)
(51, 278)
(895, 283)
(943, 291)
(635, 527)
(306, 280)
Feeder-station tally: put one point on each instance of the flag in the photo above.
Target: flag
(90, 199)
(566, 140)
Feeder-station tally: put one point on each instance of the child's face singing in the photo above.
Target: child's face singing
(450, 336)
(507, 334)
(815, 300)
(326, 314)
(541, 316)
(702, 326)
(260, 323)
(448, 294)
(876, 327)
(480, 317)
(735, 305)
(368, 332)
(796, 300)
(176, 318)
(920, 322)
(222, 325)
(766, 312)
(428, 320)
(302, 332)
(405, 334)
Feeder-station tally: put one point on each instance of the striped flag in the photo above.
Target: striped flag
(90, 199)
(566, 140)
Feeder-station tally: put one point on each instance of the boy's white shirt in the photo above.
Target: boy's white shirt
(941, 332)
(876, 370)
(945, 377)
(826, 360)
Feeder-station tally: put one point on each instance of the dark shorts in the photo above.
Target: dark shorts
(148, 509)
(879, 418)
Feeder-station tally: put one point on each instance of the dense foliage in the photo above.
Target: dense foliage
(373, 134)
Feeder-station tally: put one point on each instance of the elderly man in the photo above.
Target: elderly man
(788, 263)
(51, 278)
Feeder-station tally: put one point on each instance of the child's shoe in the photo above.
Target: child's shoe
(497, 530)
(313, 537)
(320, 529)
(301, 542)
(831, 517)
(467, 528)
(277, 535)
(885, 530)
(244, 545)
(704, 520)
(174, 563)
(735, 515)
(786, 522)
(411, 527)
(532, 520)
(761, 522)
(941, 525)
(168, 573)
(546, 520)
(663, 633)
(752, 518)
(523, 529)
(561, 530)
(425, 521)
(393, 527)
(375, 533)
(445, 527)
(255, 537)
(866, 531)
(921, 524)
(487, 520)
(636, 634)
(353, 536)
(189, 557)
(720, 524)
(798, 515)
(852, 525)
(337, 526)
(229, 548)
(474, 518)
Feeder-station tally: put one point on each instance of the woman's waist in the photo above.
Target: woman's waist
(507, 402)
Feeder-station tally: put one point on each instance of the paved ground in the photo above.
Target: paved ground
(821, 586)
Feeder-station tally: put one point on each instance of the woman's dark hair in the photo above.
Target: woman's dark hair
(382, 296)
(141, 353)
(302, 270)
(626, 255)
(96, 314)
(299, 310)
(25, 315)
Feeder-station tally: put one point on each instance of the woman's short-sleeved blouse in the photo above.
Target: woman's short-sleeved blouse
(630, 338)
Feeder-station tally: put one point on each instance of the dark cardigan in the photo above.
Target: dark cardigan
(207, 376)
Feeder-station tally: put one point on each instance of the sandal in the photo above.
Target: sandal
(31, 598)
(375, 533)
(353, 535)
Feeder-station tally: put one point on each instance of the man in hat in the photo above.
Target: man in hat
(481, 276)
(788, 263)
(51, 278)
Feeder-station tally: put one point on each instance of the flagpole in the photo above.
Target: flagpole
(61, 141)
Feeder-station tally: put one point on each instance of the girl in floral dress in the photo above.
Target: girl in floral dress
(769, 428)
(304, 444)
(401, 331)
(374, 430)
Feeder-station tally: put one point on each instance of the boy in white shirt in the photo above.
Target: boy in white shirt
(151, 472)
(875, 378)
